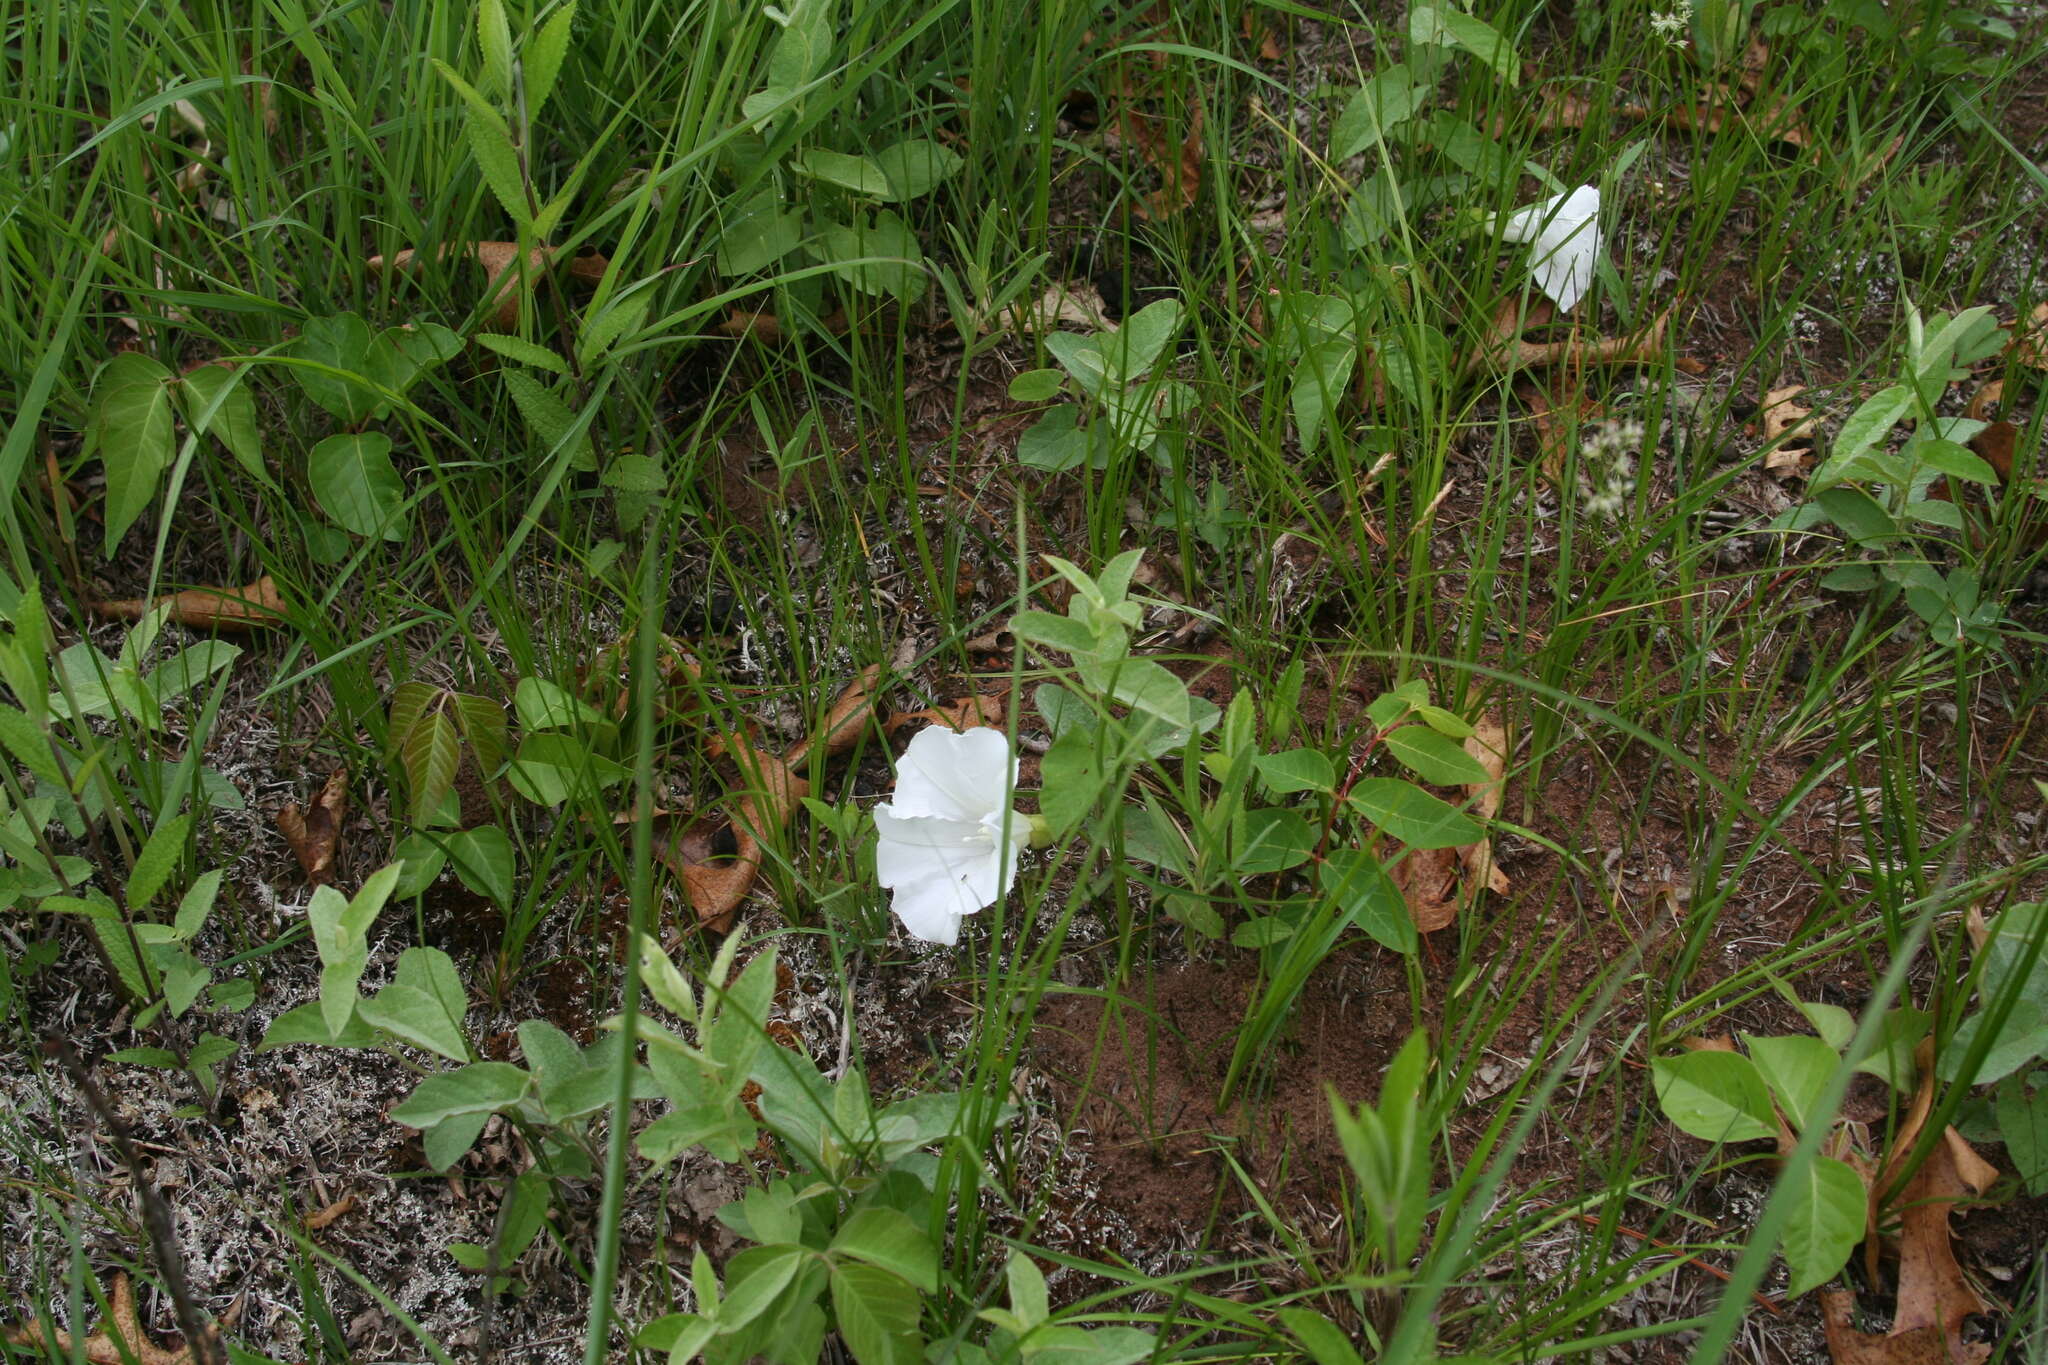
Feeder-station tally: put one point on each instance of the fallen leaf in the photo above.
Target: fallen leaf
(1847, 1346)
(1506, 349)
(314, 831)
(254, 607)
(1557, 429)
(120, 1340)
(2029, 344)
(1437, 883)
(1932, 1289)
(717, 858)
(500, 279)
(327, 1216)
(962, 713)
(1063, 304)
(758, 324)
(1179, 164)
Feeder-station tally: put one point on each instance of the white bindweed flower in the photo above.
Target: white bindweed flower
(1565, 231)
(949, 840)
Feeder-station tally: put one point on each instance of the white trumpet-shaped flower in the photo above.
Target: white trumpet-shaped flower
(949, 839)
(1564, 233)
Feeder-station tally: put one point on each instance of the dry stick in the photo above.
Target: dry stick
(156, 1215)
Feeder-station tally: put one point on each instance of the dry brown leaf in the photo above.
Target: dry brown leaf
(1932, 1289)
(1437, 883)
(1063, 304)
(962, 713)
(2029, 344)
(1847, 1346)
(500, 278)
(327, 1216)
(758, 324)
(120, 1340)
(1557, 429)
(314, 831)
(1179, 164)
(254, 607)
(717, 858)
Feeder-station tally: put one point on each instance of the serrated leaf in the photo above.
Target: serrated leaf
(132, 430)
(522, 351)
(158, 859)
(352, 475)
(550, 420)
(490, 142)
(542, 58)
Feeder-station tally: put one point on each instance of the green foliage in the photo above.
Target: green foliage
(1128, 401)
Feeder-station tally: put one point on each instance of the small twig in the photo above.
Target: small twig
(1686, 1258)
(200, 1339)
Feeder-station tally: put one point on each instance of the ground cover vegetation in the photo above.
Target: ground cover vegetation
(985, 683)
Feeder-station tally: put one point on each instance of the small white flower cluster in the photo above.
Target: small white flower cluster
(1672, 26)
(1607, 467)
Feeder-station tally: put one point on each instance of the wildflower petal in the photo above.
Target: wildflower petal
(1564, 233)
(955, 776)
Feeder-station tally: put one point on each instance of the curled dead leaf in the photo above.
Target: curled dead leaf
(2029, 345)
(501, 280)
(1179, 163)
(329, 1215)
(1506, 349)
(1437, 883)
(257, 606)
(120, 1339)
(962, 713)
(718, 857)
(314, 831)
(1065, 303)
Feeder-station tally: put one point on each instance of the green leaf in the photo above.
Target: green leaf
(337, 351)
(1295, 770)
(1326, 1343)
(913, 168)
(218, 402)
(1037, 386)
(1434, 757)
(158, 859)
(482, 722)
(523, 351)
(2023, 1037)
(754, 1279)
(1389, 99)
(196, 905)
(1072, 776)
(884, 1237)
(1479, 38)
(357, 485)
(1360, 886)
(1412, 815)
(162, 1059)
(430, 753)
(1063, 633)
(1054, 443)
(543, 705)
(1150, 687)
(490, 142)
(1946, 457)
(551, 768)
(877, 1314)
(1143, 338)
(29, 743)
(1795, 1070)
(494, 40)
(484, 861)
(1861, 517)
(758, 235)
(306, 1024)
(2023, 1126)
(417, 1017)
(1869, 425)
(2009, 947)
(541, 61)
(132, 431)
(1826, 1220)
(1028, 1298)
(340, 930)
(549, 420)
(855, 173)
(1273, 840)
(479, 1088)
(1716, 1096)
(447, 1140)
(887, 255)
(1835, 1025)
